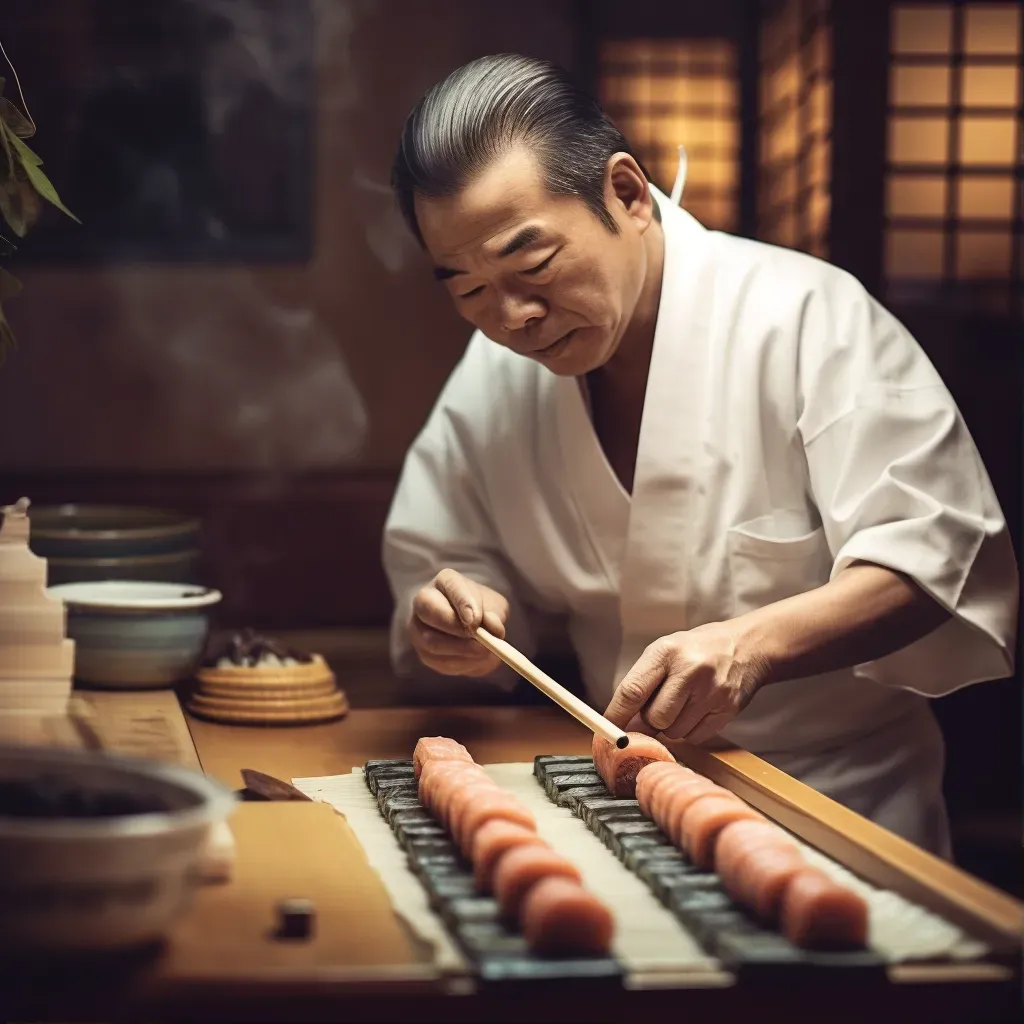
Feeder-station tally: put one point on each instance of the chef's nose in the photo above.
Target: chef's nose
(517, 310)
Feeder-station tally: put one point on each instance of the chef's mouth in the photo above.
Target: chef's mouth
(555, 346)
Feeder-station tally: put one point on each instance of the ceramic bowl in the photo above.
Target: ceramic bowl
(173, 567)
(110, 531)
(98, 852)
(132, 635)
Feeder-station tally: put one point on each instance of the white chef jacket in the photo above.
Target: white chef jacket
(791, 425)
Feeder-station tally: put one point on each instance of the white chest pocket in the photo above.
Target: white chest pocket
(776, 556)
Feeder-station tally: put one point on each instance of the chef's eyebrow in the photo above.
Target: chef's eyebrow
(520, 240)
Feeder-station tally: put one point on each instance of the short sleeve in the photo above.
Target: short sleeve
(899, 482)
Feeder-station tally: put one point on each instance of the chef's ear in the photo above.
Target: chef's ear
(627, 192)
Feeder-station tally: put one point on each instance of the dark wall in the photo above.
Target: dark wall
(276, 399)
(329, 364)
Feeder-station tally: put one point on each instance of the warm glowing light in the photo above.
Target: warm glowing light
(992, 28)
(915, 196)
(987, 198)
(914, 254)
(983, 254)
(795, 150)
(663, 93)
(922, 29)
(985, 86)
(969, 53)
(915, 86)
(918, 140)
(987, 140)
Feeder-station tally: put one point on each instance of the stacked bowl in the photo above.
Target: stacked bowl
(86, 543)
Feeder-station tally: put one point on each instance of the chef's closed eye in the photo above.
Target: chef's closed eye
(542, 266)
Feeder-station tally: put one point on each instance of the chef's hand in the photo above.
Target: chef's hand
(689, 685)
(445, 614)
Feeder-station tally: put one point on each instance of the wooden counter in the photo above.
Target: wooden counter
(222, 961)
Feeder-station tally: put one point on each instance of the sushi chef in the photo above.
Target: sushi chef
(733, 472)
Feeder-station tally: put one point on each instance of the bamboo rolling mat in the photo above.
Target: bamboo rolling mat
(649, 939)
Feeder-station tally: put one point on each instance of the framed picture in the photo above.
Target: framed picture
(177, 130)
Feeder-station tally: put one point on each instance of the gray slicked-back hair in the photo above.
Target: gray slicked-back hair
(487, 107)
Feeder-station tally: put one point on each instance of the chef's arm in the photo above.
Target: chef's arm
(691, 684)
(442, 557)
(866, 612)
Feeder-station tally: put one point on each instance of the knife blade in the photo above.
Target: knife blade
(270, 788)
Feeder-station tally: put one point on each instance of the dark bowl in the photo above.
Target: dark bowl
(110, 531)
(174, 567)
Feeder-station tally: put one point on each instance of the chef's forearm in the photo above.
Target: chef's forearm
(865, 613)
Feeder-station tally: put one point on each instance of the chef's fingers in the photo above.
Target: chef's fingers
(464, 595)
(494, 620)
(691, 715)
(495, 611)
(431, 607)
(710, 725)
(433, 641)
(637, 724)
(638, 684)
(480, 666)
(669, 701)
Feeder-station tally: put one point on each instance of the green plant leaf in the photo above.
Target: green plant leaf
(16, 120)
(40, 182)
(8, 155)
(11, 208)
(21, 150)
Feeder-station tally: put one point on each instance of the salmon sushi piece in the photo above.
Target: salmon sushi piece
(433, 770)
(488, 806)
(519, 869)
(663, 794)
(441, 748)
(762, 876)
(493, 839)
(741, 838)
(618, 768)
(817, 913)
(466, 792)
(651, 775)
(670, 802)
(447, 789)
(434, 774)
(444, 790)
(560, 918)
(704, 819)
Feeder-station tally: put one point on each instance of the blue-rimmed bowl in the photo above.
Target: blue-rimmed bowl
(134, 635)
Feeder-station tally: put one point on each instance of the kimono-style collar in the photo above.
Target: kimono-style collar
(640, 540)
(653, 584)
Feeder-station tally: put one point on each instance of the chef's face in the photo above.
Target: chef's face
(538, 272)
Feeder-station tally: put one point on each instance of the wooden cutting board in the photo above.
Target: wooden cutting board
(148, 725)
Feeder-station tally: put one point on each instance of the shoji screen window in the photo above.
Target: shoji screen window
(953, 186)
(663, 93)
(795, 126)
